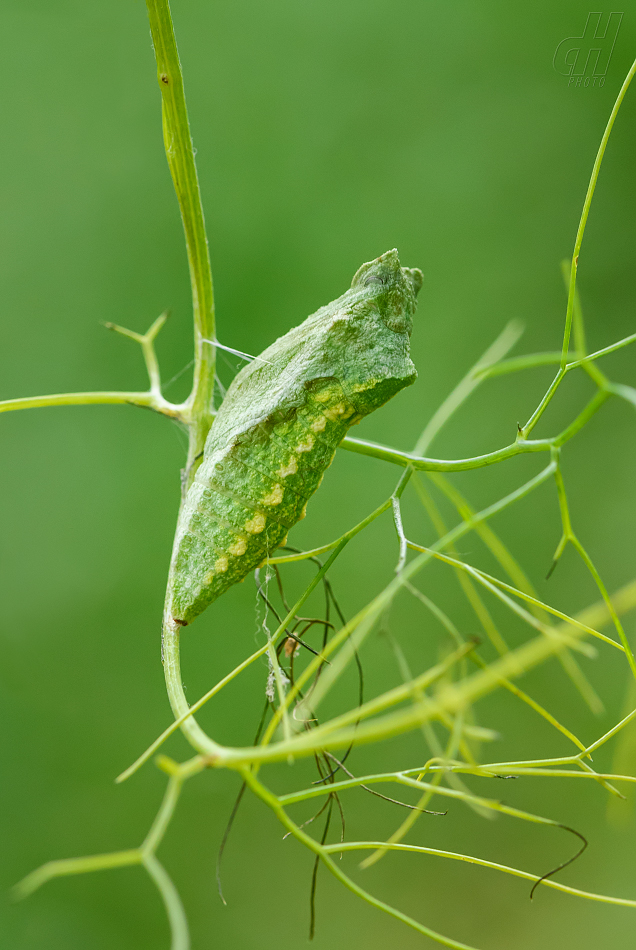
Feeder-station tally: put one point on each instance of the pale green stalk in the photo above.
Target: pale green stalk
(198, 739)
(371, 722)
(424, 801)
(152, 399)
(489, 771)
(103, 397)
(274, 804)
(481, 862)
(357, 629)
(536, 415)
(180, 155)
(303, 555)
(507, 684)
(451, 698)
(504, 342)
(514, 571)
(569, 536)
(491, 583)
(402, 778)
(144, 855)
(172, 902)
(67, 866)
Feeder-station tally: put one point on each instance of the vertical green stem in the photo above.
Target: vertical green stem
(172, 903)
(180, 155)
(586, 210)
(536, 415)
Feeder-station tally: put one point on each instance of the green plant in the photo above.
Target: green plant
(452, 690)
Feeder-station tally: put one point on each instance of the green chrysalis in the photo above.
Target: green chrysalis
(279, 426)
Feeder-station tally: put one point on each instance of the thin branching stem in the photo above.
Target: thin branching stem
(180, 155)
(407, 706)
(481, 862)
(145, 400)
(172, 902)
(273, 802)
(536, 415)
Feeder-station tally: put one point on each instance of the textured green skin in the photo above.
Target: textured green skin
(279, 427)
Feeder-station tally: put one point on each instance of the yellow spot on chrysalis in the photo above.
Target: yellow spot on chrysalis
(209, 577)
(220, 565)
(340, 409)
(275, 496)
(290, 469)
(256, 525)
(319, 424)
(307, 445)
(239, 547)
(335, 411)
(303, 512)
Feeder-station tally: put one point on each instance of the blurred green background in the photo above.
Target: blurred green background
(326, 133)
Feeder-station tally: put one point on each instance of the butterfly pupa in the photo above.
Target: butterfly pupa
(278, 428)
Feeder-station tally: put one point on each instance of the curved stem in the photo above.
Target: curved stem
(172, 672)
(449, 699)
(176, 723)
(360, 625)
(520, 447)
(155, 835)
(443, 465)
(172, 902)
(272, 801)
(369, 845)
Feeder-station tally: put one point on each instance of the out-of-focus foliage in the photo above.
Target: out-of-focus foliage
(325, 133)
